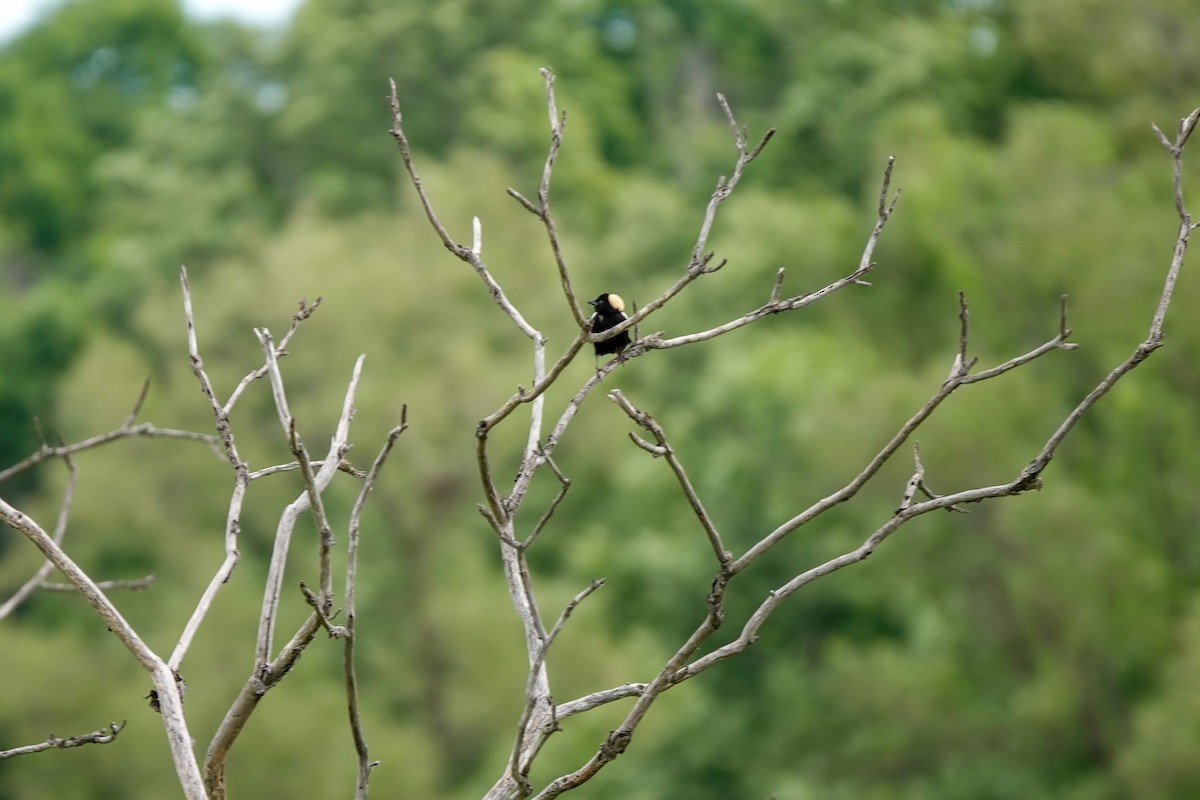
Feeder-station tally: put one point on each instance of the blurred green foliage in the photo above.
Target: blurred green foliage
(1041, 647)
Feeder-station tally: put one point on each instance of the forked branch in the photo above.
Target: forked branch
(675, 671)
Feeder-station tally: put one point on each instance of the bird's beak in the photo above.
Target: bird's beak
(592, 303)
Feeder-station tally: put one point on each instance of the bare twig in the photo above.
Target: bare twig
(133, 584)
(1154, 338)
(60, 529)
(564, 483)
(463, 253)
(126, 431)
(541, 210)
(326, 620)
(698, 263)
(910, 488)
(101, 736)
(304, 312)
(324, 532)
(237, 495)
(665, 450)
(348, 649)
(774, 304)
(597, 699)
(344, 466)
(518, 767)
(287, 519)
(171, 704)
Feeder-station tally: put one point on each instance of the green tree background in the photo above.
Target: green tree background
(1042, 647)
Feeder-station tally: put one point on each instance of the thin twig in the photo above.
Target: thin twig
(326, 620)
(60, 529)
(564, 483)
(699, 259)
(101, 736)
(910, 488)
(650, 424)
(145, 430)
(774, 304)
(344, 466)
(365, 764)
(305, 311)
(541, 210)
(236, 497)
(518, 770)
(317, 505)
(133, 584)
(463, 253)
(287, 519)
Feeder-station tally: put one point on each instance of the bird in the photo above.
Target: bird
(610, 312)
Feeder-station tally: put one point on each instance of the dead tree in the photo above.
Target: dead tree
(542, 715)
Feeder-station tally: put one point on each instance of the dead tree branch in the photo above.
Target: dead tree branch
(101, 736)
(674, 672)
(163, 677)
(540, 717)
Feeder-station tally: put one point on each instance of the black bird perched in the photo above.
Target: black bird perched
(610, 312)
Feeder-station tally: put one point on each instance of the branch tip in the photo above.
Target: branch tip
(964, 316)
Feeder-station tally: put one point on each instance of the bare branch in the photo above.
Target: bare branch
(618, 740)
(910, 488)
(240, 471)
(134, 584)
(137, 406)
(254, 690)
(334, 631)
(1054, 344)
(267, 674)
(1186, 126)
(648, 422)
(535, 391)
(777, 288)
(348, 649)
(1029, 478)
(101, 736)
(305, 311)
(324, 532)
(518, 770)
(397, 132)
(463, 253)
(343, 466)
(60, 530)
(564, 484)
(774, 304)
(597, 699)
(698, 262)
(961, 365)
(958, 377)
(542, 210)
(144, 430)
(171, 703)
(224, 433)
(287, 519)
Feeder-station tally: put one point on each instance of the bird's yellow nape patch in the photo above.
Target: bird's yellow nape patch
(616, 302)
